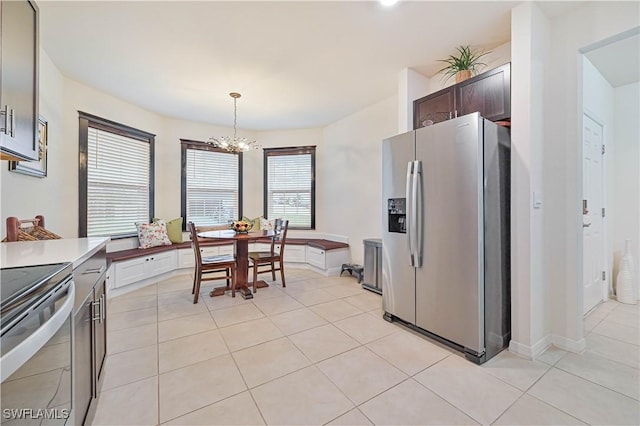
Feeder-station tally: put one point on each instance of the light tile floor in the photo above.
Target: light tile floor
(318, 352)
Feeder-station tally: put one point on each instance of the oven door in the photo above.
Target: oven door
(35, 364)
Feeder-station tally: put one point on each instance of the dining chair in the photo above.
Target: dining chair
(211, 265)
(273, 256)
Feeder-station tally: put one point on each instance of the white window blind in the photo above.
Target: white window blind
(212, 187)
(289, 179)
(117, 183)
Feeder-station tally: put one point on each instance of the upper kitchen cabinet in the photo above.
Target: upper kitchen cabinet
(488, 93)
(434, 108)
(19, 80)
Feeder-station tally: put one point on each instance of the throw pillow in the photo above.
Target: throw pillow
(254, 221)
(153, 234)
(266, 224)
(174, 229)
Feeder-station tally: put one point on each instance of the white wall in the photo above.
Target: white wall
(586, 24)
(348, 162)
(530, 46)
(626, 173)
(411, 86)
(350, 178)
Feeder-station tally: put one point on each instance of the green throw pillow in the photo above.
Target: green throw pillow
(255, 222)
(174, 229)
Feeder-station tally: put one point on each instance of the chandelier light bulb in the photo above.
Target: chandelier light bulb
(234, 144)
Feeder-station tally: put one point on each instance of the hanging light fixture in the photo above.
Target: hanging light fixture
(233, 143)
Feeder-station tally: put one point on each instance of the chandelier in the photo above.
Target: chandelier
(233, 143)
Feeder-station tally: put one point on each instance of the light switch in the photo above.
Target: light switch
(537, 200)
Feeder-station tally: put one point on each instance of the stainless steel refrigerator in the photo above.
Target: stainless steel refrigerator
(445, 238)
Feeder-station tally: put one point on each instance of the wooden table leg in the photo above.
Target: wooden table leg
(242, 273)
(242, 268)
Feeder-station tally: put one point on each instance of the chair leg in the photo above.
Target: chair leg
(273, 271)
(195, 277)
(196, 290)
(282, 273)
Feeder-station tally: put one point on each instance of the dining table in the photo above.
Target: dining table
(241, 240)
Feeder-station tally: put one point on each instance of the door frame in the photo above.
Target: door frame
(607, 284)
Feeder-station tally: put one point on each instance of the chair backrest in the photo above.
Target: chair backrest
(195, 243)
(280, 227)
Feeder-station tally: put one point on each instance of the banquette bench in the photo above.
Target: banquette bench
(133, 268)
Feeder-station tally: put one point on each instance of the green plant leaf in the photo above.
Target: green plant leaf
(466, 59)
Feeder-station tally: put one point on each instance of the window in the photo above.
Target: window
(290, 185)
(211, 184)
(116, 177)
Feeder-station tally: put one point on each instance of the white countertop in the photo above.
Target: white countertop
(27, 253)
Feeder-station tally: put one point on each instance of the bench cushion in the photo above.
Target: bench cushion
(117, 256)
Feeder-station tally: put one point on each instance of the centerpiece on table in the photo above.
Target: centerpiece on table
(241, 226)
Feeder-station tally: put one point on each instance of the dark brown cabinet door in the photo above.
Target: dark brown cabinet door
(100, 331)
(488, 93)
(18, 80)
(434, 108)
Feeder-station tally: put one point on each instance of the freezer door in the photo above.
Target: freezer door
(449, 285)
(398, 276)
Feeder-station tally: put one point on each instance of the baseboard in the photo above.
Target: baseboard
(531, 352)
(575, 346)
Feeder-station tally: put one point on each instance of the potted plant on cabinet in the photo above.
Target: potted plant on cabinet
(463, 65)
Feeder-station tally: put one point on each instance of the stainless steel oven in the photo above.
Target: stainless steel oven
(35, 344)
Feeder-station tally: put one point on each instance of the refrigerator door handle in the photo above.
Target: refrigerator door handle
(417, 208)
(409, 208)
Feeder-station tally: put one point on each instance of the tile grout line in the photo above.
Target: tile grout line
(595, 383)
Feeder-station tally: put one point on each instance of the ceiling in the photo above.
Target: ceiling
(618, 62)
(299, 64)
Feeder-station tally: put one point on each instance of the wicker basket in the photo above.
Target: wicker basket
(35, 232)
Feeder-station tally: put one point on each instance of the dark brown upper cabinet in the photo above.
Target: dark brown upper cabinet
(19, 80)
(434, 108)
(488, 93)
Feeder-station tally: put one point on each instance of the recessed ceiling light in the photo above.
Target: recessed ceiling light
(388, 2)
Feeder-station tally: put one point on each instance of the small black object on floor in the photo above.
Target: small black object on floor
(353, 268)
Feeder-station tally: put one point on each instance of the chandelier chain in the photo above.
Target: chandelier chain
(234, 144)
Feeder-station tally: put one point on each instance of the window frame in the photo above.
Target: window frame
(87, 120)
(186, 144)
(284, 151)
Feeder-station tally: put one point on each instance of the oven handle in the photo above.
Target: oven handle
(17, 356)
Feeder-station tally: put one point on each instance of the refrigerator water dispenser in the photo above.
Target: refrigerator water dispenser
(396, 208)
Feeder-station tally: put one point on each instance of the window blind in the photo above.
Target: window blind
(118, 182)
(212, 187)
(289, 188)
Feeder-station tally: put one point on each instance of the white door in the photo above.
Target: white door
(592, 222)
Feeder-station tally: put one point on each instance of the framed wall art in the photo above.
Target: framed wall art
(35, 168)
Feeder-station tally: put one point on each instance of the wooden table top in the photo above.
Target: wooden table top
(233, 235)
